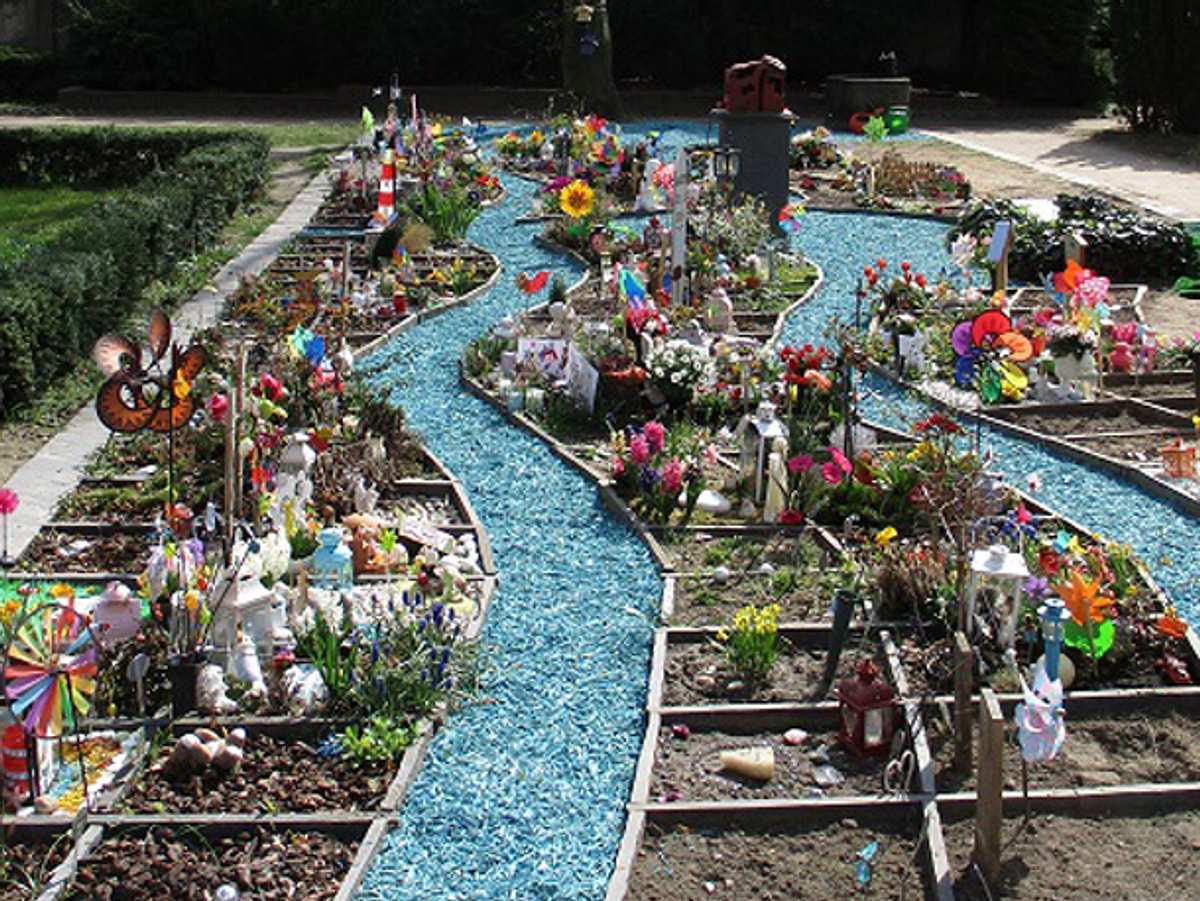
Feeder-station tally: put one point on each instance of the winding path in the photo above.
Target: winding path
(522, 797)
(1164, 536)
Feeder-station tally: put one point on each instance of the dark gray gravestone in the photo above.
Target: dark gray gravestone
(762, 139)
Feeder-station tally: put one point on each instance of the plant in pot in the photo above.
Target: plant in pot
(677, 369)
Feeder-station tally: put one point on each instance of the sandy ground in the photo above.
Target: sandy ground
(989, 175)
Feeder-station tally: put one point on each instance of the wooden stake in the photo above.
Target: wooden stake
(989, 786)
(238, 406)
(229, 506)
(964, 670)
(1075, 247)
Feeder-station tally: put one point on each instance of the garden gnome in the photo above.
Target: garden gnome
(777, 484)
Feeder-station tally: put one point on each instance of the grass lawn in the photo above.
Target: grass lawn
(30, 216)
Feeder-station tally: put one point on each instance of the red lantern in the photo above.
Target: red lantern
(868, 708)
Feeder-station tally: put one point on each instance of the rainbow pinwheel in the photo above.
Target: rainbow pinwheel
(989, 350)
(50, 669)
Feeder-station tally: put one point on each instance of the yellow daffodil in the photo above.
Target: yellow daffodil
(62, 592)
(1196, 423)
(886, 536)
(191, 600)
(577, 199)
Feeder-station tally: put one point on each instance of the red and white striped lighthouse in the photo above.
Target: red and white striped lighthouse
(17, 778)
(387, 187)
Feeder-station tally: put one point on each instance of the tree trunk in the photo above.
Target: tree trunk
(589, 75)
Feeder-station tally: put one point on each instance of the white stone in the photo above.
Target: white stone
(714, 502)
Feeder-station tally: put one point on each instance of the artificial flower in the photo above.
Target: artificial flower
(618, 467)
(1083, 599)
(218, 407)
(886, 536)
(9, 501)
(790, 517)
(577, 199)
(1170, 625)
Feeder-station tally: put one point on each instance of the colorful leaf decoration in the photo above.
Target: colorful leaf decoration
(1104, 635)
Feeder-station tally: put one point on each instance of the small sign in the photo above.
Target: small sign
(423, 533)
(547, 355)
(582, 379)
(1001, 238)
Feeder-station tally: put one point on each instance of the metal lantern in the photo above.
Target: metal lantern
(298, 454)
(757, 434)
(333, 562)
(868, 709)
(1179, 459)
(1054, 616)
(1005, 572)
(727, 162)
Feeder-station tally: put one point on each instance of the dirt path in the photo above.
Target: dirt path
(20, 441)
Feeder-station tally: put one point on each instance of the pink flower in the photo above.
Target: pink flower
(655, 434)
(710, 455)
(841, 461)
(218, 407)
(672, 477)
(800, 463)
(639, 449)
(8, 501)
(832, 473)
(618, 467)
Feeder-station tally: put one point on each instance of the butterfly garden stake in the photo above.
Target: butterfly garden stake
(154, 394)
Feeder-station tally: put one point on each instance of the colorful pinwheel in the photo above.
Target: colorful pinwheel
(50, 669)
(789, 218)
(988, 352)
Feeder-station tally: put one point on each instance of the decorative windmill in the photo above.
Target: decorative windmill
(49, 675)
(155, 395)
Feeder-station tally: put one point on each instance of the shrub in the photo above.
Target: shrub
(102, 157)
(1123, 244)
(61, 296)
(1153, 47)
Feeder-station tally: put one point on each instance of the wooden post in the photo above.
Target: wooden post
(1002, 236)
(231, 471)
(238, 405)
(1075, 247)
(989, 787)
(964, 672)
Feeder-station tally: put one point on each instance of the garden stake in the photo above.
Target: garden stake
(843, 607)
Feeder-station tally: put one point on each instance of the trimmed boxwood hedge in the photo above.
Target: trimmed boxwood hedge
(64, 294)
(101, 157)
(1123, 244)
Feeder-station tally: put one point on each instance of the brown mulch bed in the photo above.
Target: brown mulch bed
(183, 866)
(275, 777)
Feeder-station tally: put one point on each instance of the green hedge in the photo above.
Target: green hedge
(65, 294)
(101, 157)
